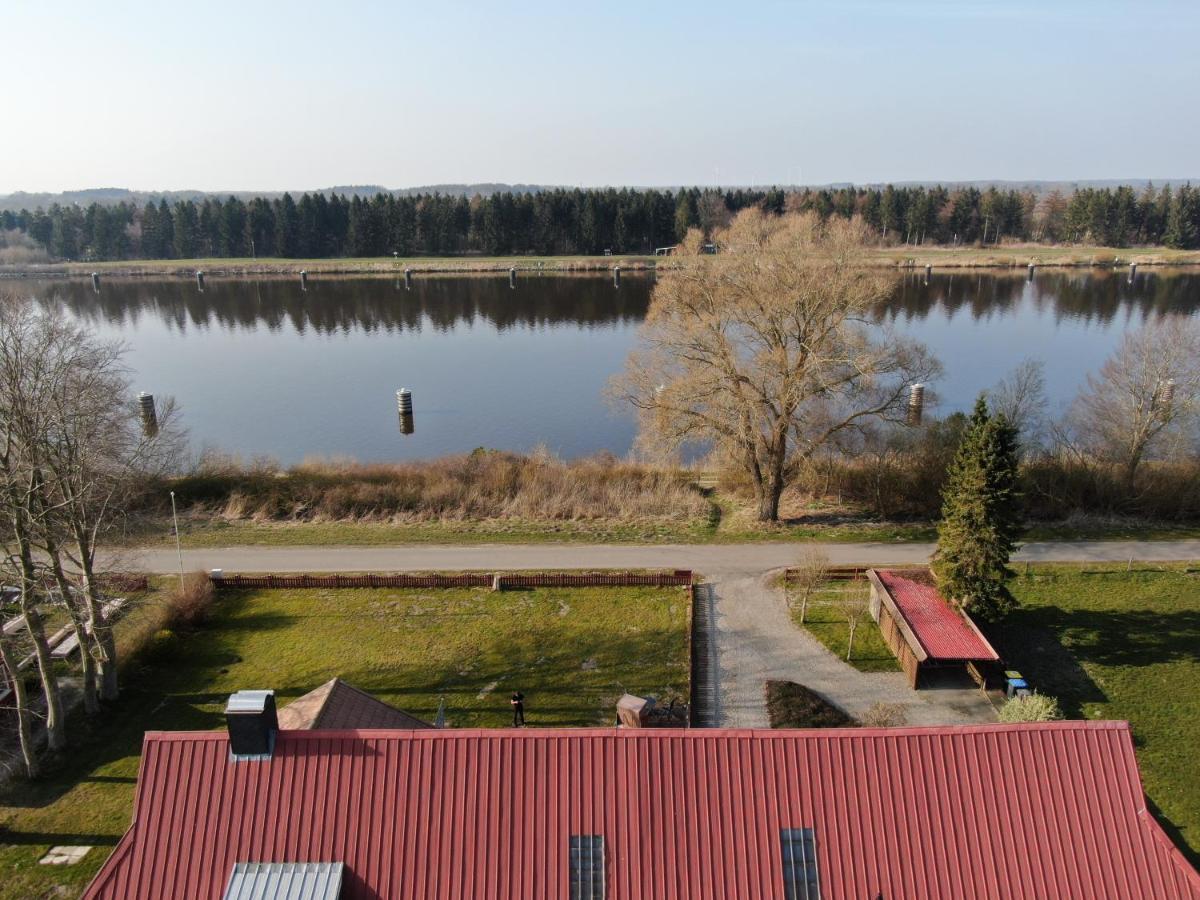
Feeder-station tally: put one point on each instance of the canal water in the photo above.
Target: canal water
(264, 368)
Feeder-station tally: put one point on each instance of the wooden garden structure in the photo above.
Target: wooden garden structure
(924, 630)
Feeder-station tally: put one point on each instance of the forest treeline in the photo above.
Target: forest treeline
(576, 221)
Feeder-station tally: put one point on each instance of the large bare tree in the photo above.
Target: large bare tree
(770, 347)
(72, 450)
(1144, 400)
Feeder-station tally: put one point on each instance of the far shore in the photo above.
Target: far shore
(1015, 256)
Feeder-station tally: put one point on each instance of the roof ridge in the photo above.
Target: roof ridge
(660, 733)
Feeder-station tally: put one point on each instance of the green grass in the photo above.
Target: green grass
(218, 267)
(824, 621)
(571, 651)
(992, 257)
(1112, 644)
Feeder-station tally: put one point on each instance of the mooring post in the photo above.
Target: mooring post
(303, 280)
(96, 282)
(149, 415)
(916, 403)
(200, 280)
(512, 276)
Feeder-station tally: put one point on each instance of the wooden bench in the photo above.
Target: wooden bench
(68, 644)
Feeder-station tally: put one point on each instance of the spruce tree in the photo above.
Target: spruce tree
(981, 517)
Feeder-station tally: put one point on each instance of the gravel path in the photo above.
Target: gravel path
(758, 641)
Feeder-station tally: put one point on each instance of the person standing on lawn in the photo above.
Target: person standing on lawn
(518, 706)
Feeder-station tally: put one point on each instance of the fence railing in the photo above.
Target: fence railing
(496, 581)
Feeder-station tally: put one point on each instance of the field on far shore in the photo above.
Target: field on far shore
(571, 651)
(1003, 256)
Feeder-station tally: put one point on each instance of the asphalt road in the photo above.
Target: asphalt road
(709, 559)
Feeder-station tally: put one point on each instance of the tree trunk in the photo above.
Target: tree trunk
(101, 630)
(87, 662)
(24, 724)
(850, 642)
(772, 489)
(56, 736)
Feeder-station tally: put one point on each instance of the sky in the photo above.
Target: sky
(285, 96)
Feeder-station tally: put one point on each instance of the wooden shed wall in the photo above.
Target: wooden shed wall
(894, 639)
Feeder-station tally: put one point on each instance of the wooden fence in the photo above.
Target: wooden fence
(834, 573)
(681, 578)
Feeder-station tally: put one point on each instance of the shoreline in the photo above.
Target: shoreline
(1016, 257)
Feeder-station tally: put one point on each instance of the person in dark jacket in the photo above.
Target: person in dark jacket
(518, 705)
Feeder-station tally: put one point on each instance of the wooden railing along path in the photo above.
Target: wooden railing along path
(497, 581)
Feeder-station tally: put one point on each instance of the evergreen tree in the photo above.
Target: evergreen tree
(981, 517)
(687, 213)
(1181, 232)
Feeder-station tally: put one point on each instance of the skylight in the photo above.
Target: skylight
(800, 864)
(587, 867)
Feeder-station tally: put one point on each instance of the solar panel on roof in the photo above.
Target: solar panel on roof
(587, 867)
(800, 880)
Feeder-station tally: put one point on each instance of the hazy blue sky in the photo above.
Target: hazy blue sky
(252, 95)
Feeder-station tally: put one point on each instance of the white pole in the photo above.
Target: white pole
(178, 548)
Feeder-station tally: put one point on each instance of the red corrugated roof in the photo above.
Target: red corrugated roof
(1004, 811)
(940, 628)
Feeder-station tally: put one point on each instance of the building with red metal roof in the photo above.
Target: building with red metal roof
(922, 628)
(998, 811)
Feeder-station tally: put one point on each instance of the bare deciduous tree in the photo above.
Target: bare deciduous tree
(1021, 398)
(809, 573)
(1145, 397)
(854, 606)
(770, 347)
(71, 450)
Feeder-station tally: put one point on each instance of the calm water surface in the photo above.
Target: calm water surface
(263, 368)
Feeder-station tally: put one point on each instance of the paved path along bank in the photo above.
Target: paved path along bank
(709, 559)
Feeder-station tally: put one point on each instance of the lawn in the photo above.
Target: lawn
(825, 622)
(1112, 644)
(571, 651)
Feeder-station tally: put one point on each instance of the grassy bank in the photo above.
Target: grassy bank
(1114, 644)
(1005, 256)
(267, 266)
(496, 497)
(571, 651)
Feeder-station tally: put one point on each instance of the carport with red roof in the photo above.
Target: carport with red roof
(924, 630)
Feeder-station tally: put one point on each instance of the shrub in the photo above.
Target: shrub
(884, 715)
(791, 705)
(191, 601)
(1033, 707)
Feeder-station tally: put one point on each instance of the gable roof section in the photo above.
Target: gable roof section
(338, 706)
(943, 632)
(1014, 811)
